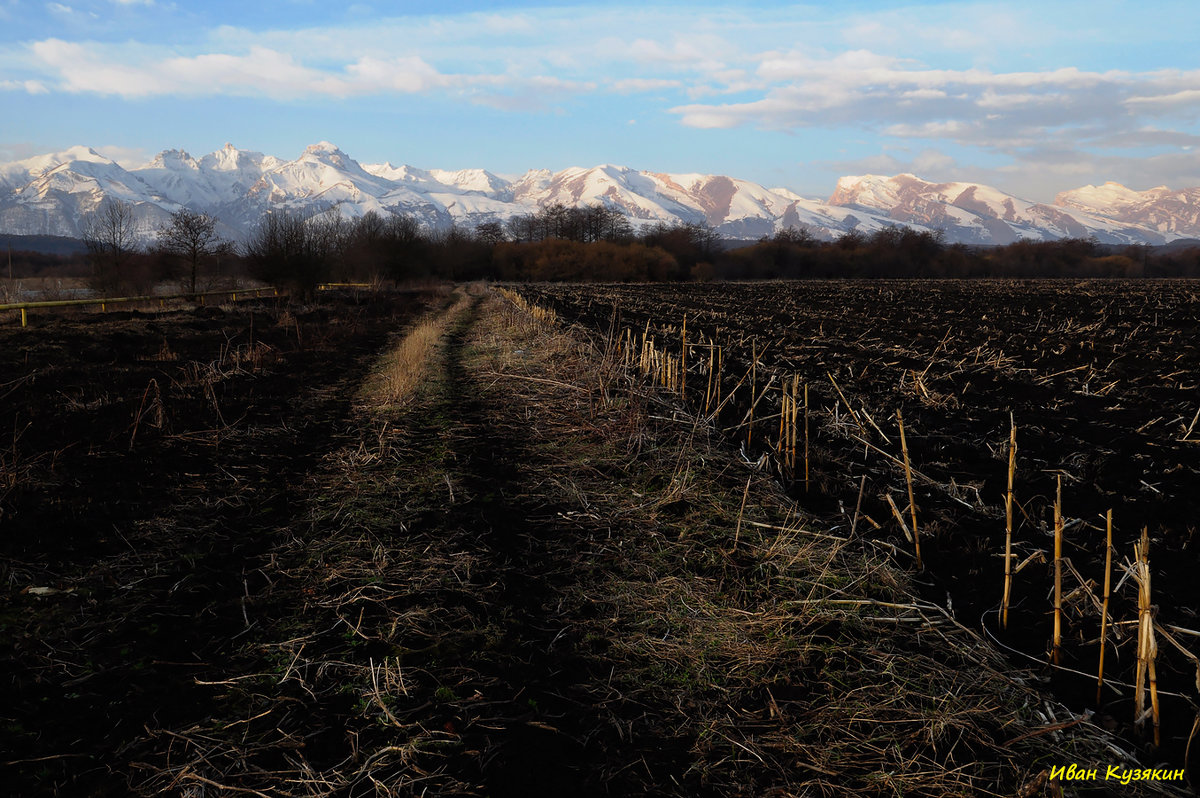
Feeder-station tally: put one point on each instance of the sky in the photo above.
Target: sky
(1031, 97)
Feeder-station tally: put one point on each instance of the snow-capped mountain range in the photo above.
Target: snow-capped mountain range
(53, 194)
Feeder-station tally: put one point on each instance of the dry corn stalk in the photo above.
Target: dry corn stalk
(899, 517)
(683, 359)
(1104, 607)
(795, 389)
(806, 437)
(1147, 647)
(753, 383)
(853, 414)
(1055, 651)
(1008, 521)
(781, 438)
(912, 503)
(708, 388)
(720, 372)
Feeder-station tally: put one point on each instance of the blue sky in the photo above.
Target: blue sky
(1034, 98)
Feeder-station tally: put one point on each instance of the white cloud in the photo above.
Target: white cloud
(629, 85)
(930, 164)
(933, 162)
(1177, 100)
(140, 71)
(1148, 137)
(900, 98)
(27, 86)
(406, 74)
(923, 94)
(877, 164)
(128, 157)
(72, 14)
(527, 94)
(17, 151)
(264, 71)
(509, 24)
(944, 129)
(994, 100)
(696, 54)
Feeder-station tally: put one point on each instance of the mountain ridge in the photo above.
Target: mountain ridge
(53, 194)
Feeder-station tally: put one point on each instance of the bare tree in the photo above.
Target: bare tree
(109, 237)
(587, 224)
(191, 236)
(491, 233)
(289, 248)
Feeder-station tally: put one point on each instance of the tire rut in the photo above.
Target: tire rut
(540, 734)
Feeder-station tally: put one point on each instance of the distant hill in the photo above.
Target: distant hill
(1178, 245)
(50, 245)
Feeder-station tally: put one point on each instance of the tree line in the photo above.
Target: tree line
(559, 242)
(904, 252)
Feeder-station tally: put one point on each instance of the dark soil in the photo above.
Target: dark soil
(151, 460)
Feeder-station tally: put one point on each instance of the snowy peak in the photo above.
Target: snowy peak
(384, 170)
(480, 181)
(981, 214)
(85, 160)
(747, 210)
(231, 159)
(324, 152)
(321, 147)
(178, 179)
(404, 174)
(631, 192)
(531, 183)
(1172, 214)
(322, 170)
(1108, 198)
(78, 154)
(173, 160)
(885, 193)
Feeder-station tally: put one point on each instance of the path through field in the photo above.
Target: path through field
(503, 622)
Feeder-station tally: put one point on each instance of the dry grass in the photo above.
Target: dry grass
(804, 663)
(404, 366)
